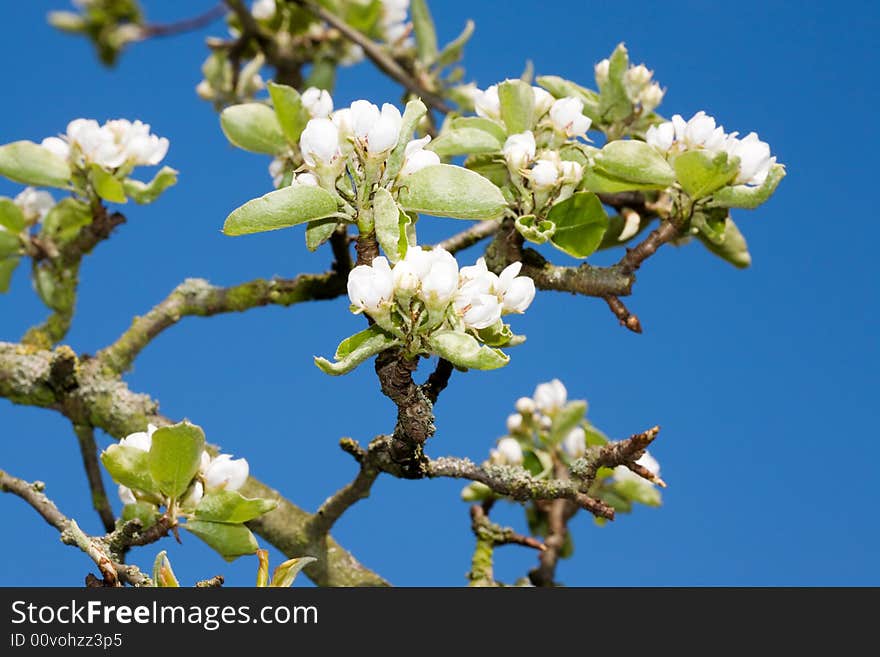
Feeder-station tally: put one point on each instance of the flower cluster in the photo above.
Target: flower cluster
(701, 132)
(393, 22)
(115, 144)
(426, 291)
(638, 83)
(356, 135)
(221, 472)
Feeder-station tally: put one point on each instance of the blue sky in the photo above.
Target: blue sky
(763, 380)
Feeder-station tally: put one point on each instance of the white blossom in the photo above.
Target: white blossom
(318, 102)
(755, 161)
(342, 120)
(517, 292)
(226, 473)
(138, 146)
(544, 174)
(415, 157)
(393, 20)
(567, 116)
(370, 286)
(699, 131)
(650, 97)
(637, 77)
(113, 144)
(551, 396)
(487, 104)
(263, 10)
(575, 442)
(319, 142)
(126, 495)
(433, 275)
(526, 405)
(519, 149)
(632, 222)
(478, 309)
(194, 496)
(34, 204)
(141, 440)
(623, 473)
(661, 136)
(507, 452)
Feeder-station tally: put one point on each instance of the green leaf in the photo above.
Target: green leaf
(451, 52)
(107, 186)
(319, 231)
(464, 351)
(700, 172)
(253, 127)
(517, 105)
(476, 492)
(282, 208)
(130, 467)
(492, 167)
(412, 114)
(146, 512)
(566, 419)
(231, 506)
(580, 222)
(163, 575)
(286, 573)
(357, 348)
(292, 116)
(7, 268)
(66, 218)
(722, 237)
(10, 244)
(497, 335)
(386, 219)
(634, 161)
(31, 164)
(466, 140)
(143, 193)
(614, 102)
(230, 541)
(601, 183)
(638, 491)
(11, 216)
(444, 190)
(743, 196)
(175, 456)
(562, 88)
(535, 230)
(423, 26)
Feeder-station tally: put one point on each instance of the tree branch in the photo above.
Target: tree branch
(197, 297)
(85, 435)
(470, 236)
(185, 25)
(377, 55)
(114, 573)
(611, 455)
(82, 390)
(338, 503)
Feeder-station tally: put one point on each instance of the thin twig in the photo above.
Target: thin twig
(471, 236)
(627, 319)
(480, 523)
(343, 499)
(182, 26)
(377, 55)
(437, 380)
(85, 435)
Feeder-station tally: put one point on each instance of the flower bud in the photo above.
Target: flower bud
(507, 452)
(544, 174)
(319, 142)
(754, 155)
(34, 204)
(141, 440)
(575, 442)
(56, 146)
(636, 77)
(567, 116)
(440, 284)
(306, 179)
(525, 405)
(514, 422)
(318, 102)
(543, 101)
(342, 120)
(126, 495)
(224, 473)
(519, 150)
(551, 396)
(370, 286)
(487, 104)
(478, 310)
(263, 10)
(650, 97)
(415, 157)
(194, 495)
(571, 172)
(385, 133)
